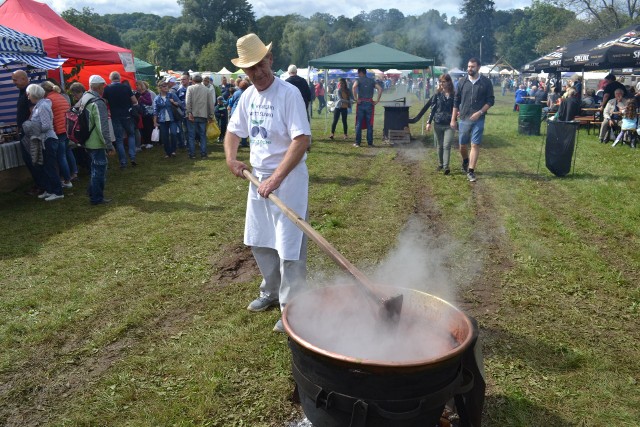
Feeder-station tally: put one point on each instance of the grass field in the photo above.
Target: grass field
(133, 313)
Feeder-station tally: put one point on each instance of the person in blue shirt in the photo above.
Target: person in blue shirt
(520, 94)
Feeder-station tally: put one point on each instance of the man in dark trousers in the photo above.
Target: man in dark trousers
(363, 89)
(121, 99)
(301, 84)
(473, 98)
(21, 81)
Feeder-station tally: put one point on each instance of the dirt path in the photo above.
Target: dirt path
(61, 369)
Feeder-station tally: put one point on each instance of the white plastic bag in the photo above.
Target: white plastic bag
(155, 135)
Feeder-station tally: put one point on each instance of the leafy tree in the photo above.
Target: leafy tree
(300, 41)
(270, 29)
(430, 36)
(92, 24)
(218, 54)
(476, 27)
(532, 32)
(206, 16)
(609, 14)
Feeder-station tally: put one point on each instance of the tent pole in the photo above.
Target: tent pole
(326, 110)
(61, 76)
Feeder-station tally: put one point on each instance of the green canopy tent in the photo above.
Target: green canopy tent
(372, 55)
(145, 71)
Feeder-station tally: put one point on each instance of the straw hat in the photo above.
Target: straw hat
(251, 50)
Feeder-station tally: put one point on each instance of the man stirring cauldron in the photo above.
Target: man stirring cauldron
(271, 114)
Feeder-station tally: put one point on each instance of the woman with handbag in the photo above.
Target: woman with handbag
(441, 104)
(164, 119)
(343, 102)
(145, 103)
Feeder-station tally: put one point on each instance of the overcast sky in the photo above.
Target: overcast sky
(278, 7)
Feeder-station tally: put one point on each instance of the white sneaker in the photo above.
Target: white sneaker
(66, 184)
(149, 146)
(44, 195)
(54, 197)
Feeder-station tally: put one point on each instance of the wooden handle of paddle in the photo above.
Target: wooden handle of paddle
(321, 241)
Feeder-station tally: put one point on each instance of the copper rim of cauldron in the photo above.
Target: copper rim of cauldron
(404, 364)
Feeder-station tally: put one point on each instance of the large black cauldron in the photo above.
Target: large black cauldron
(338, 390)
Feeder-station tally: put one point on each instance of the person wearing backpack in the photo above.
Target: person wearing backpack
(98, 145)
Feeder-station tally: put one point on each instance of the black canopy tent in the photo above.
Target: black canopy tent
(372, 55)
(619, 50)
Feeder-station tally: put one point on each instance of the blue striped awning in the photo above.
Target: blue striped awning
(9, 92)
(19, 47)
(31, 59)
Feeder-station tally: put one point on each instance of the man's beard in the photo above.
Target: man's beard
(472, 73)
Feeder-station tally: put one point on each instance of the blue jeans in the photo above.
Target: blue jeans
(36, 171)
(71, 160)
(363, 115)
(63, 164)
(51, 177)
(471, 131)
(168, 138)
(120, 126)
(180, 136)
(98, 175)
(198, 126)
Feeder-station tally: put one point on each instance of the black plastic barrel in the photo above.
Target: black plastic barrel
(529, 119)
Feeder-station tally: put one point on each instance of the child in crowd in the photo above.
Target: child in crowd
(629, 124)
(222, 115)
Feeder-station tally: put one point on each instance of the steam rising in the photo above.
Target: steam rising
(345, 321)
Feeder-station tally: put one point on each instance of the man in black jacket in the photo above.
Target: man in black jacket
(473, 98)
(301, 84)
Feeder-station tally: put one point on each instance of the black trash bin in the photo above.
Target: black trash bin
(560, 146)
(395, 118)
(529, 119)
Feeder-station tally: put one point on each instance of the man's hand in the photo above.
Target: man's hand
(236, 167)
(476, 116)
(190, 117)
(268, 186)
(454, 124)
(111, 152)
(428, 127)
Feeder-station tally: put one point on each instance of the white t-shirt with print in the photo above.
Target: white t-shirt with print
(271, 119)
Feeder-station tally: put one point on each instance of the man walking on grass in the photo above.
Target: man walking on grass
(473, 98)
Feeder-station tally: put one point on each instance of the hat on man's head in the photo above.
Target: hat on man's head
(251, 50)
(172, 80)
(96, 79)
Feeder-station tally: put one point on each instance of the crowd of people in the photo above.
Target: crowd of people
(612, 104)
(124, 122)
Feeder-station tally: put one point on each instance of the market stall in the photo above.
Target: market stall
(17, 51)
(62, 39)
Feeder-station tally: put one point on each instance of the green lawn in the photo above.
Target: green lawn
(133, 313)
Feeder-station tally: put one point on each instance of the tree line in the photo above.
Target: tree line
(204, 36)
